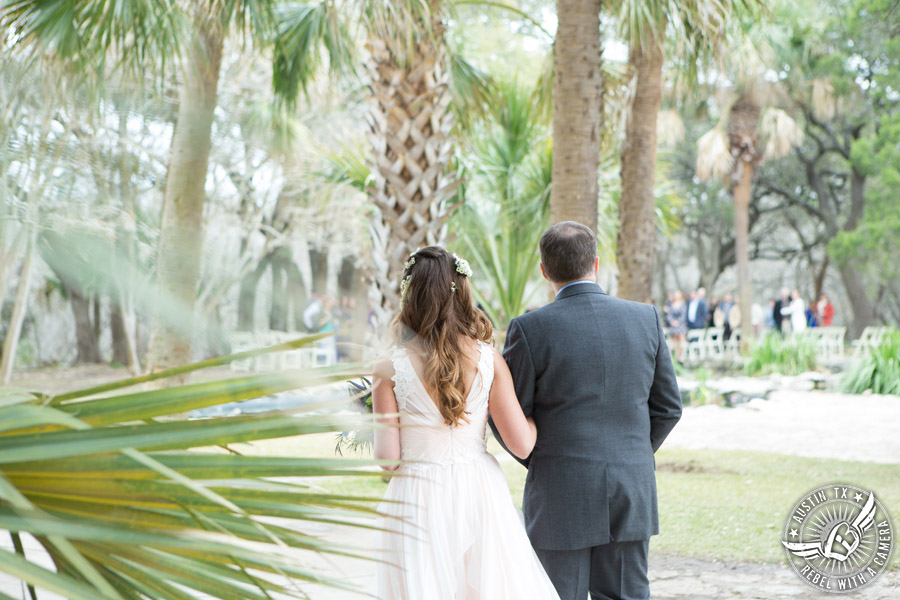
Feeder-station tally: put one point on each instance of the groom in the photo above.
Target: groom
(596, 375)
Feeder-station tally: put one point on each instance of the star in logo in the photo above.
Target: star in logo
(794, 533)
(858, 497)
(847, 538)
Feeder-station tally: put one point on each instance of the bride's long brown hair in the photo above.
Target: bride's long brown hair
(438, 313)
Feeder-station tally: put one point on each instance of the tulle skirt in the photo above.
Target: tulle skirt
(455, 534)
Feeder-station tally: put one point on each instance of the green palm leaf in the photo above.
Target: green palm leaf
(115, 491)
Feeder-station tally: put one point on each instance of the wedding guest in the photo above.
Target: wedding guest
(711, 311)
(797, 312)
(697, 310)
(722, 315)
(770, 316)
(812, 315)
(678, 325)
(314, 313)
(670, 297)
(757, 316)
(826, 311)
(778, 308)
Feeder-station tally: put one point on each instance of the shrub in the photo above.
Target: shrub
(878, 370)
(772, 353)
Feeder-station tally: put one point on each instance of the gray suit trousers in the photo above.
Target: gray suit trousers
(614, 571)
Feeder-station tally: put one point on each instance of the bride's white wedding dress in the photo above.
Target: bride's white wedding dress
(454, 531)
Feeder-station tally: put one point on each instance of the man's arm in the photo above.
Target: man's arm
(665, 397)
(518, 359)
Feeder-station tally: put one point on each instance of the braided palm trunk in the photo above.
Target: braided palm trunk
(410, 123)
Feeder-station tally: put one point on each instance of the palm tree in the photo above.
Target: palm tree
(577, 112)
(411, 122)
(734, 153)
(505, 199)
(108, 484)
(698, 29)
(147, 34)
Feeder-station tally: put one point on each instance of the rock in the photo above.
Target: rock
(745, 387)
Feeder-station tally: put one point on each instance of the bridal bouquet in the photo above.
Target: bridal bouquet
(360, 440)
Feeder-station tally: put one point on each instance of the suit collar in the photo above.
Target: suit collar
(581, 288)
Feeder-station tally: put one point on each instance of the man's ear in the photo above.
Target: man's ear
(543, 272)
(596, 266)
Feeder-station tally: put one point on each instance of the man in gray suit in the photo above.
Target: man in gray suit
(596, 375)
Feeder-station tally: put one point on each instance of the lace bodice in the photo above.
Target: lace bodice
(424, 437)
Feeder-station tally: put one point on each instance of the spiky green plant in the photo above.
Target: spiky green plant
(113, 486)
(788, 356)
(878, 370)
(506, 200)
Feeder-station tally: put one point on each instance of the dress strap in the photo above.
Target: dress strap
(486, 364)
(404, 377)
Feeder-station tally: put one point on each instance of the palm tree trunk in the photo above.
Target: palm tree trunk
(86, 340)
(742, 193)
(181, 236)
(636, 247)
(411, 124)
(117, 332)
(11, 343)
(577, 112)
(122, 299)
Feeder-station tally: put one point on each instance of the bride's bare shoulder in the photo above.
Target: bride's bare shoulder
(384, 367)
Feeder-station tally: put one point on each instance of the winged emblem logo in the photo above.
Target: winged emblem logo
(841, 540)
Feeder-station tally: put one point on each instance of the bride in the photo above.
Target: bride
(450, 529)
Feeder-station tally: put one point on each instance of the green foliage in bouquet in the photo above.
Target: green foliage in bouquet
(132, 501)
(772, 353)
(877, 370)
(362, 440)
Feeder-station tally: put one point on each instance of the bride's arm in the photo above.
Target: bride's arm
(518, 433)
(384, 405)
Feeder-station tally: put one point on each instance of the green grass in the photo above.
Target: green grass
(732, 505)
(726, 505)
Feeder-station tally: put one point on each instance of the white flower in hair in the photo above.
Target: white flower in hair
(462, 266)
(404, 284)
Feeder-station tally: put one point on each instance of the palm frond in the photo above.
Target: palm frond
(714, 158)
(303, 32)
(470, 86)
(117, 491)
(402, 24)
(143, 33)
(781, 132)
(348, 165)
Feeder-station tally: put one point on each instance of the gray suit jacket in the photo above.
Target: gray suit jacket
(596, 375)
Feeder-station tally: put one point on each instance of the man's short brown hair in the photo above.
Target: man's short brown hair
(568, 250)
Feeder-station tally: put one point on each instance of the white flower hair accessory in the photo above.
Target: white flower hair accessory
(403, 286)
(409, 263)
(462, 266)
(453, 287)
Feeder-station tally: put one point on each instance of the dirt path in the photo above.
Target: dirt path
(679, 578)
